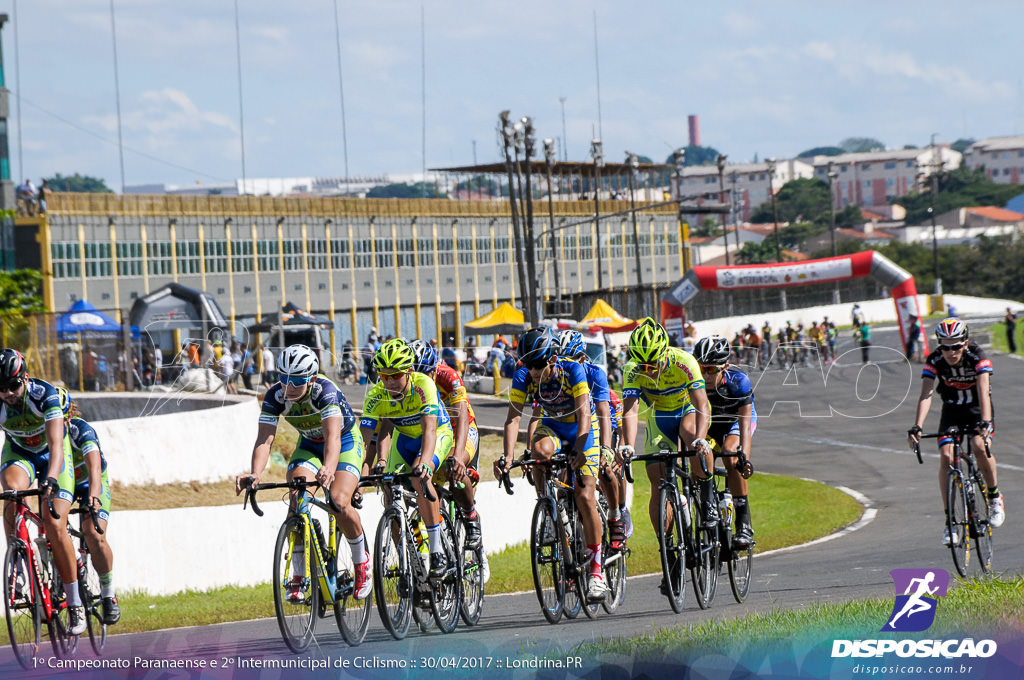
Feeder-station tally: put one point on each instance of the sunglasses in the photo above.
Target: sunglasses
(10, 387)
(293, 380)
(391, 376)
(536, 365)
(649, 367)
(952, 348)
(711, 370)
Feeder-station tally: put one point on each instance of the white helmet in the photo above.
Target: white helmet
(299, 361)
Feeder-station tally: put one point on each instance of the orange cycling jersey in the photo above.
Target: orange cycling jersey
(452, 390)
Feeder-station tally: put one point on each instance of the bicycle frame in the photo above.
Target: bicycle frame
(24, 516)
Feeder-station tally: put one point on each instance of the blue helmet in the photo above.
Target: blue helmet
(537, 346)
(571, 344)
(426, 357)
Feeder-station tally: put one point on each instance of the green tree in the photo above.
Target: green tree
(861, 144)
(822, 151)
(962, 187)
(697, 155)
(961, 144)
(21, 293)
(757, 253)
(799, 200)
(81, 184)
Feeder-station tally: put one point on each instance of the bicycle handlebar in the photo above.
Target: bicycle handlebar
(85, 508)
(951, 432)
(556, 461)
(17, 495)
(660, 456)
(391, 479)
(298, 484)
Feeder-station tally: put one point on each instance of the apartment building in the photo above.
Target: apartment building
(1002, 158)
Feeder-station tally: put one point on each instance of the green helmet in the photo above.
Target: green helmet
(394, 355)
(648, 342)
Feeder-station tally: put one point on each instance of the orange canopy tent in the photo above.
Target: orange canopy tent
(503, 319)
(604, 316)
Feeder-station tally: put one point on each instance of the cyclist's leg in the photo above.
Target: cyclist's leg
(704, 483)
(304, 464)
(545, 444)
(986, 465)
(465, 495)
(346, 479)
(99, 549)
(950, 417)
(17, 473)
(56, 529)
(660, 434)
(404, 451)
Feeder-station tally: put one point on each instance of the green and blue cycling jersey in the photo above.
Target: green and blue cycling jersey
(666, 396)
(26, 446)
(84, 441)
(422, 398)
(322, 400)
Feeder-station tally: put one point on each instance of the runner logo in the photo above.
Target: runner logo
(914, 610)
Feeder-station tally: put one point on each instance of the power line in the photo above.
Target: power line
(115, 143)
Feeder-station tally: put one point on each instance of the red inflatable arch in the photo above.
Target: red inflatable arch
(858, 265)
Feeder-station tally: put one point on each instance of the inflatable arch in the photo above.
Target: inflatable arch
(857, 265)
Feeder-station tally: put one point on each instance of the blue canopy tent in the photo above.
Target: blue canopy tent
(92, 343)
(83, 317)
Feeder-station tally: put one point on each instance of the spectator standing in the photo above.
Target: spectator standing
(267, 366)
(226, 364)
(44, 194)
(857, 316)
(1011, 330)
(863, 335)
(913, 338)
(27, 197)
(158, 365)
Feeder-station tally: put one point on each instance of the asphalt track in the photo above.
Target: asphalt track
(844, 426)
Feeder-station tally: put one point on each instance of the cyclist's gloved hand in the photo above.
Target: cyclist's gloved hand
(984, 427)
(95, 503)
(245, 481)
(357, 499)
(746, 468)
(701, 445)
(914, 435)
(378, 469)
(607, 456)
(422, 471)
(579, 459)
(624, 453)
(49, 486)
(457, 471)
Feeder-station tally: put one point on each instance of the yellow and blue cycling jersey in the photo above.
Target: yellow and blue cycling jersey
(557, 402)
(84, 440)
(670, 389)
(322, 400)
(422, 398)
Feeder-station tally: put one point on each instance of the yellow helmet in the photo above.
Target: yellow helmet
(394, 355)
(648, 342)
(65, 401)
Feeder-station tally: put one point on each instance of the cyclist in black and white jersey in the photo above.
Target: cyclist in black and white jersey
(964, 375)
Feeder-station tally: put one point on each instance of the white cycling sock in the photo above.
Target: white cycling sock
(434, 534)
(358, 547)
(71, 590)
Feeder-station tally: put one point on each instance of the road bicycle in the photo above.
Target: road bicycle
(310, 573)
(402, 585)
(967, 514)
(738, 559)
(614, 561)
(471, 561)
(558, 551)
(88, 579)
(33, 590)
(676, 538)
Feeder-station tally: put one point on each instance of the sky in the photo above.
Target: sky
(765, 78)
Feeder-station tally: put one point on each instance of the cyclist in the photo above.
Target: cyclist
(329, 451)
(733, 421)
(669, 382)
(560, 388)
(37, 446)
(464, 460)
(91, 473)
(410, 403)
(571, 346)
(964, 377)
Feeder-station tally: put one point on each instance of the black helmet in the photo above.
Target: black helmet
(712, 351)
(537, 346)
(12, 366)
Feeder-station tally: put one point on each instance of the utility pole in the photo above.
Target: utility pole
(597, 151)
(507, 137)
(721, 199)
(565, 140)
(549, 159)
(634, 165)
(775, 213)
(529, 139)
(832, 175)
(936, 165)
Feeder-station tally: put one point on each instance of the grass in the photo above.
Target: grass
(984, 607)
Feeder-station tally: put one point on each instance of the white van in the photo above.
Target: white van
(592, 336)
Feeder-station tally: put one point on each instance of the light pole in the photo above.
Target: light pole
(832, 175)
(936, 166)
(597, 152)
(775, 213)
(549, 159)
(507, 131)
(565, 142)
(679, 162)
(735, 200)
(721, 199)
(634, 165)
(529, 142)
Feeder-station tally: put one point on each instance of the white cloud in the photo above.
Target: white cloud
(819, 50)
(740, 23)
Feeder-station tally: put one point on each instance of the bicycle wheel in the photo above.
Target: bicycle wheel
(296, 611)
(614, 566)
(22, 604)
(447, 592)
(59, 626)
(981, 530)
(672, 543)
(705, 570)
(471, 573)
(89, 590)
(581, 565)
(546, 559)
(352, 615)
(740, 561)
(956, 522)
(392, 574)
